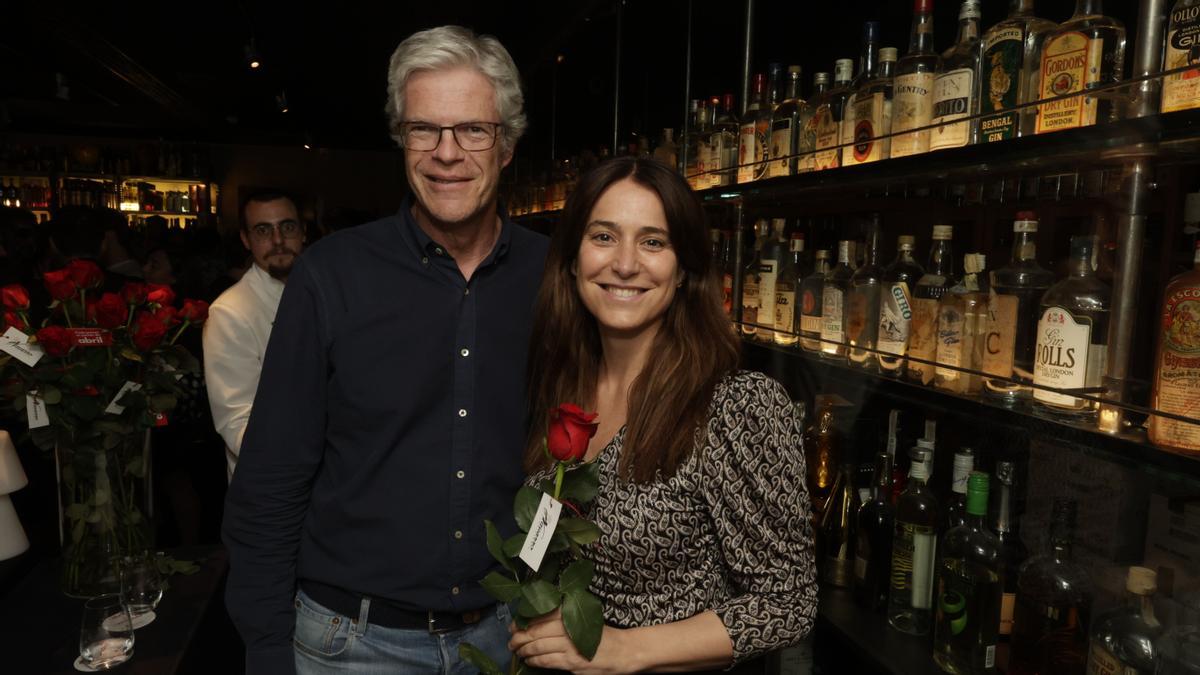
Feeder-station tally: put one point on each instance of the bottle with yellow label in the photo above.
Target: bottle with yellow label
(1181, 91)
(1177, 368)
(1084, 53)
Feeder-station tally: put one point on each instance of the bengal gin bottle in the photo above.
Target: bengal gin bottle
(896, 307)
(834, 303)
(787, 293)
(873, 113)
(1072, 340)
(912, 106)
(962, 322)
(807, 144)
(784, 128)
(1084, 53)
(831, 108)
(861, 324)
(1177, 367)
(1008, 72)
(939, 275)
(1122, 639)
(1011, 338)
(751, 151)
(955, 85)
(812, 296)
(914, 548)
(1181, 91)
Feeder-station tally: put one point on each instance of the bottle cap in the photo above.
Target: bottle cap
(1005, 473)
(969, 10)
(922, 6)
(822, 254)
(974, 263)
(774, 69)
(820, 78)
(888, 54)
(977, 493)
(1026, 222)
(797, 235)
(794, 70)
(843, 70)
(871, 31)
(943, 232)
(1141, 581)
(906, 242)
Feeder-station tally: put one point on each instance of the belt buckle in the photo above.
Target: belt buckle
(431, 621)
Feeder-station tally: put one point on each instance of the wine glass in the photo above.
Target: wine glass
(141, 588)
(106, 634)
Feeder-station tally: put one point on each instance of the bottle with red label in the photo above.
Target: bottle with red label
(1177, 367)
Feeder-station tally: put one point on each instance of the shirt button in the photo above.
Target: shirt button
(454, 590)
(424, 261)
(461, 474)
(437, 250)
(458, 534)
(467, 292)
(465, 353)
(462, 412)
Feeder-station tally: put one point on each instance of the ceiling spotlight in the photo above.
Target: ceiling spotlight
(308, 143)
(560, 58)
(252, 58)
(281, 102)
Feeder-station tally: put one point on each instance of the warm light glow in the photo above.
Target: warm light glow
(254, 65)
(307, 146)
(1110, 419)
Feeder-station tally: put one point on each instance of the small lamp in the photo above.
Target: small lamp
(13, 541)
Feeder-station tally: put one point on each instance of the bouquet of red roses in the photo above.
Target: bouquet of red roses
(543, 564)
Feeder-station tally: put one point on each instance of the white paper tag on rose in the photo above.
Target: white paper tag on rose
(540, 531)
(35, 408)
(15, 343)
(115, 408)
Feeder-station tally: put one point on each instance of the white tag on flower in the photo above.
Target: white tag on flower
(35, 409)
(115, 408)
(16, 344)
(540, 531)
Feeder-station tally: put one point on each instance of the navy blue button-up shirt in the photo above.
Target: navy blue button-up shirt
(389, 423)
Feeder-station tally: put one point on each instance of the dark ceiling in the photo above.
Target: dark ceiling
(178, 71)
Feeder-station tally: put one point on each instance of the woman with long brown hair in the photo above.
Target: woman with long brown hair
(706, 557)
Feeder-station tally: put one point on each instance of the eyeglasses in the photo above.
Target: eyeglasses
(470, 136)
(288, 229)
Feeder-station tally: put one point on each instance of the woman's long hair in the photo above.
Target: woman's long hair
(695, 346)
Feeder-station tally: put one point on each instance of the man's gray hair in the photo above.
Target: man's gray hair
(448, 47)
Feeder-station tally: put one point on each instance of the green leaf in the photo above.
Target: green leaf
(583, 618)
(495, 545)
(101, 496)
(559, 542)
(581, 483)
(542, 596)
(128, 353)
(525, 507)
(582, 532)
(93, 517)
(513, 545)
(85, 407)
(472, 655)
(136, 467)
(576, 577)
(76, 511)
(501, 587)
(77, 531)
(51, 395)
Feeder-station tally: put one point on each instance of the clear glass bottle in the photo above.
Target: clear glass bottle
(667, 152)
(751, 273)
(785, 127)
(807, 145)
(867, 70)
(724, 142)
(912, 105)
(956, 83)
(962, 327)
(970, 586)
(914, 548)
(1012, 552)
(873, 113)
(751, 151)
(896, 308)
(828, 117)
(1085, 52)
(772, 256)
(1176, 385)
(954, 513)
(690, 162)
(865, 287)
(708, 160)
(939, 275)
(1009, 73)
(812, 296)
(1054, 596)
(834, 303)
(837, 531)
(1011, 337)
(1072, 337)
(1123, 638)
(1182, 90)
(873, 548)
(787, 293)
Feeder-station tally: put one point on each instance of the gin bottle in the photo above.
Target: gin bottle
(1084, 53)
(939, 275)
(812, 297)
(1122, 639)
(962, 321)
(751, 151)
(865, 286)
(807, 144)
(1177, 367)
(873, 113)
(830, 109)
(1181, 91)
(1072, 338)
(896, 307)
(723, 143)
(956, 82)
(787, 293)
(912, 106)
(867, 71)
(772, 257)
(1008, 72)
(955, 511)
(834, 303)
(914, 548)
(785, 128)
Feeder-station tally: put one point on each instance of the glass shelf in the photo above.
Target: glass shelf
(870, 636)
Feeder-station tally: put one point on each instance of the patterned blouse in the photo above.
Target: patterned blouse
(729, 532)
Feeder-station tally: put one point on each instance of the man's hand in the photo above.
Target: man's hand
(545, 644)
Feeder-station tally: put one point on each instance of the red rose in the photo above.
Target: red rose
(110, 311)
(89, 390)
(194, 311)
(148, 331)
(15, 320)
(14, 297)
(169, 316)
(159, 294)
(134, 292)
(570, 430)
(85, 273)
(55, 340)
(60, 284)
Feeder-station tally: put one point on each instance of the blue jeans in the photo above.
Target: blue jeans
(326, 642)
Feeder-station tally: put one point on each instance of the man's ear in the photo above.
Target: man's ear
(245, 238)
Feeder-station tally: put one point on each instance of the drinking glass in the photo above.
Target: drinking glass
(141, 588)
(106, 634)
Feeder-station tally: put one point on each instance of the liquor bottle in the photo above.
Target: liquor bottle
(830, 110)
(955, 85)
(939, 275)
(775, 85)
(1085, 52)
(970, 585)
(1008, 73)
(822, 455)
(724, 143)
(1181, 91)
(785, 132)
(812, 296)
(1054, 596)
(955, 511)
(1122, 639)
(750, 152)
(709, 160)
(834, 305)
(762, 121)
(1012, 552)
(1072, 337)
(728, 270)
(693, 169)
(895, 307)
(667, 152)
(1176, 385)
(873, 546)
(867, 70)
(787, 293)
(912, 106)
(772, 256)
(873, 113)
(807, 145)
(751, 275)
(914, 548)
(1011, 339)
(837, 531)
(962, 328)
(862, 326)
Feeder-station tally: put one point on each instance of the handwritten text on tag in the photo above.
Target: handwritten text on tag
(16, 344)
(540, 531)
(35, 408)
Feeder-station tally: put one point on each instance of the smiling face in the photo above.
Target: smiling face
(452, 186)
(627, 272)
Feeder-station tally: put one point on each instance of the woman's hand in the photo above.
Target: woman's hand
(545, 644)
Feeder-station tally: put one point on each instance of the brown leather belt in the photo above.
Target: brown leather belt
(387, 614)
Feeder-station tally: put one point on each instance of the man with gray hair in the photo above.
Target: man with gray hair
(389, 418)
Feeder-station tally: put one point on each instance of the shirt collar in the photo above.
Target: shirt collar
(426, 247)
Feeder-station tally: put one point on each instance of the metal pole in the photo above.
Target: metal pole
(554, 107)
(684, 138)
(747, 55)
(1148, 59)
(739, 240)
(617, 80)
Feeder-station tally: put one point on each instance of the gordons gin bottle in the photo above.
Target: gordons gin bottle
(896, 307)
(912, 106)
(1182, 90)
(1085, 52)
(1008, 72)
(955, 85)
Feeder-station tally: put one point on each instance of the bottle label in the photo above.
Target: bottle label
(1182, 91)
(1003, 52)
(781, 148)
(922, 340)
(1008, 602)
(949, 342)
(846, 128)
(828, 135)
(912, 564)
(856, 316)
(1001, 337)
(1062, 356)
(872, 119)
(832, 310)
(806, 146)
(1177, 378)
(912, 108)
(746, 153)
(895, 318)
(727, 291)
(785, 311)
(750, 299)
(767, 273)
(810, 317)
(1070, 62)
(1103, 662)
(953, 95)
(762, 146)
